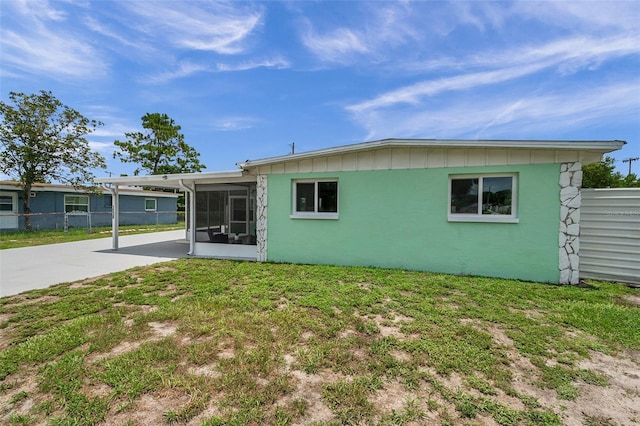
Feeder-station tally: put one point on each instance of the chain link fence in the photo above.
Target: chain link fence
(64, 221)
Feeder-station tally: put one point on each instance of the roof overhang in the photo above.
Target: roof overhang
(175, 180)
(597, 146)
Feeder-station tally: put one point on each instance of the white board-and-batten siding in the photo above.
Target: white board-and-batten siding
(610, 234)
(421, 158)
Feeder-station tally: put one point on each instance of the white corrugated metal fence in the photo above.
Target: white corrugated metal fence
(610, 234)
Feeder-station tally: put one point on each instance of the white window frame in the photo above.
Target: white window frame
(88, 204)
(155, 205)
(314, 214)
(478, 216)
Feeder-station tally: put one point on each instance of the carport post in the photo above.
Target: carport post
(115, 215)
(192, 214)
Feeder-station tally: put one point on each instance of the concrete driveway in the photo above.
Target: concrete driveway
(30, 268)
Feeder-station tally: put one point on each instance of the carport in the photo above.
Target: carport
(220, 210)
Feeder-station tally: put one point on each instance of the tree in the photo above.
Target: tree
(630, 181)
(602, 175)
(43, 140)
(159, 150)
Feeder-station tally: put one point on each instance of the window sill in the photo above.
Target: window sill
(330, 216)
(483, 219)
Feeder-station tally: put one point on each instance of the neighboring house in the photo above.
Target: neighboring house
(500, 208)
(54, 205)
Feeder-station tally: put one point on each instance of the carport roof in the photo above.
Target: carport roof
(174, 180)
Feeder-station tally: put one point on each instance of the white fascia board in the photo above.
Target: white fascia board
(173, 180)
(600, 146)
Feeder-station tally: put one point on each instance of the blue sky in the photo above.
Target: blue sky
(246, 79)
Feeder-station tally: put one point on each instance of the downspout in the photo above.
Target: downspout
(192, 215)
(115, 214)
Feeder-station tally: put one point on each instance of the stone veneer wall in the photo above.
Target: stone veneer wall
(261, 215)
(569, 235)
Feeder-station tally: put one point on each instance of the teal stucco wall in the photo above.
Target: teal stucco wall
(398, 219)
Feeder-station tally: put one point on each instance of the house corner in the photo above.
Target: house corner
(569, 227)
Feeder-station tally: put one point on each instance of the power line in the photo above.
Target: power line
(630, 160)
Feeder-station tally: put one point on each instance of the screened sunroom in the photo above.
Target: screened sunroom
(225, 213)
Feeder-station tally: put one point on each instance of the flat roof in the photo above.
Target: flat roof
(241, 175)
(173, 180)
(581, 145)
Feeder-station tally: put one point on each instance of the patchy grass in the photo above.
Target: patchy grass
(212, 342)
(9, 240)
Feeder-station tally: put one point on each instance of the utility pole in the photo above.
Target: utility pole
(293, 148)
(630, 160)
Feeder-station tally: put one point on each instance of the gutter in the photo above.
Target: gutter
(192, 215)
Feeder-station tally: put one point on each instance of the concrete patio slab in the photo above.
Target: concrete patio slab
(30, 268)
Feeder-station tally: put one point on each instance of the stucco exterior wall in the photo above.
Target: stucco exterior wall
(398, 219)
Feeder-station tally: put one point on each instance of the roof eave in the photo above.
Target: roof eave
(173, 180)
(600, 146)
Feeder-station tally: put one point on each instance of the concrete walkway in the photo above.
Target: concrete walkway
(30, 268)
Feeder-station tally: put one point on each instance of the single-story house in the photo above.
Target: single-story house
(55, 206)
(500, 208)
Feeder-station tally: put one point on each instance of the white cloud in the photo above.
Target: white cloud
(41, 10)
(566, 56)
(200, 26)
(42, 51)
(104, 148)
(335, 46)
(277, 63)
(386, 32)
(414, 93)
(235, 123)
(113, 131)
(98, 27)
(465, 14)
(619, 15)
(33, 39)
(577, 49)
(380, 27)
(184, 69)
(568, 110)
(187, 68)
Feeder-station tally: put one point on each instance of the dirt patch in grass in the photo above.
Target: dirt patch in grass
(529, 313)
(148, 410)
(143, 309)
(210, 370)
(122, 348)
(632, 299)
(308, 388)
(400, 355)
(163, 329)
(619, 401)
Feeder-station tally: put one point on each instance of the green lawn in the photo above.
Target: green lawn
(10, 240)
(215, 342)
